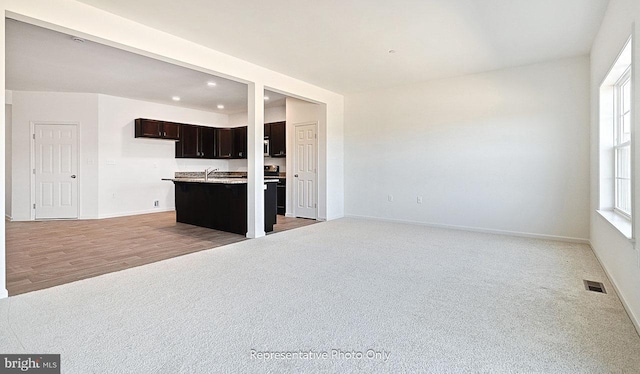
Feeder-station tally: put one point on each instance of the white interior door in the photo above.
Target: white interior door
(305, 174)
(56, 167)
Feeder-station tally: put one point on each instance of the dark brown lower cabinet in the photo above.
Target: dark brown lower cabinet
(221, 206)
(282, 196)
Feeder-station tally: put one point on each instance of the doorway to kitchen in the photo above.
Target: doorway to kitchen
(54, 163)
(118, 211)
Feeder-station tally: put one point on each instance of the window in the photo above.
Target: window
(616, 176)
(622, 144)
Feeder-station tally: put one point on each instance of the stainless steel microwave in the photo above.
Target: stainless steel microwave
(266, 146)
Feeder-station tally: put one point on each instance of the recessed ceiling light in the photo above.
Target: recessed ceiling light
(77, 40)
(266, 97)
(212, 84)
(220, 106)
(176, 98)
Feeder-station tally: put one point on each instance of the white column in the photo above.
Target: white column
(3, 264)
(255, 161)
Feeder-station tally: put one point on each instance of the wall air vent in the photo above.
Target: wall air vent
(594, 286)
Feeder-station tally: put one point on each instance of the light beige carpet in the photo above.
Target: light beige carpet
(433, 300)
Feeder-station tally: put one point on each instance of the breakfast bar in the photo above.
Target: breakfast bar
(220, 203)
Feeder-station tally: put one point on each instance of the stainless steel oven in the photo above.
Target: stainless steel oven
(271, 170)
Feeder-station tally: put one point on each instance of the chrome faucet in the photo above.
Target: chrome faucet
(207, 171)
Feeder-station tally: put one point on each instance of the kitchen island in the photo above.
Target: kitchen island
(220, 203)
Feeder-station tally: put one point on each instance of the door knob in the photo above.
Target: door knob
(73, 176)
(296, 175)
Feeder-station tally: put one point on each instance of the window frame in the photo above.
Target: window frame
(618, 143)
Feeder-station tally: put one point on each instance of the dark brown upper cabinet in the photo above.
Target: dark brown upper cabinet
(224, 143)
(239, 136)
(150, 128)
(267, 130)
(195, 142)
(188, 146)
(207, 147)
(277, 139)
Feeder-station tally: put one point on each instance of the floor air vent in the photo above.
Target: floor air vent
(594, 286)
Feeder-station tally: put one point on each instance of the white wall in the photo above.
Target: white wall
(617, 254)
(7, 160)
(272, 114)
(48, 107)
(118, 174)
(503, 151)
(131, 168)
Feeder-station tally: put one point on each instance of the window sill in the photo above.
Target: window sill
(618, 221)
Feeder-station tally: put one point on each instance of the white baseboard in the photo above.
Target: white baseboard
(103, 216)
(290, 215)
(135, 213)
(476, 229)
(4, 293)
(632, 317)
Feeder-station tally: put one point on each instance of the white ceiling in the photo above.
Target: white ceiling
(39, 59)
(343, 45)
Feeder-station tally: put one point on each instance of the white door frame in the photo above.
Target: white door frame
(317, 154)
(32, 162)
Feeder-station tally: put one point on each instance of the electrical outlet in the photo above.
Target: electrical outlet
(156, 203)
(390, 198)
(419, 200)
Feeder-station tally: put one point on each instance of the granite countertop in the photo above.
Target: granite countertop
(215, 180)
(220, 177)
